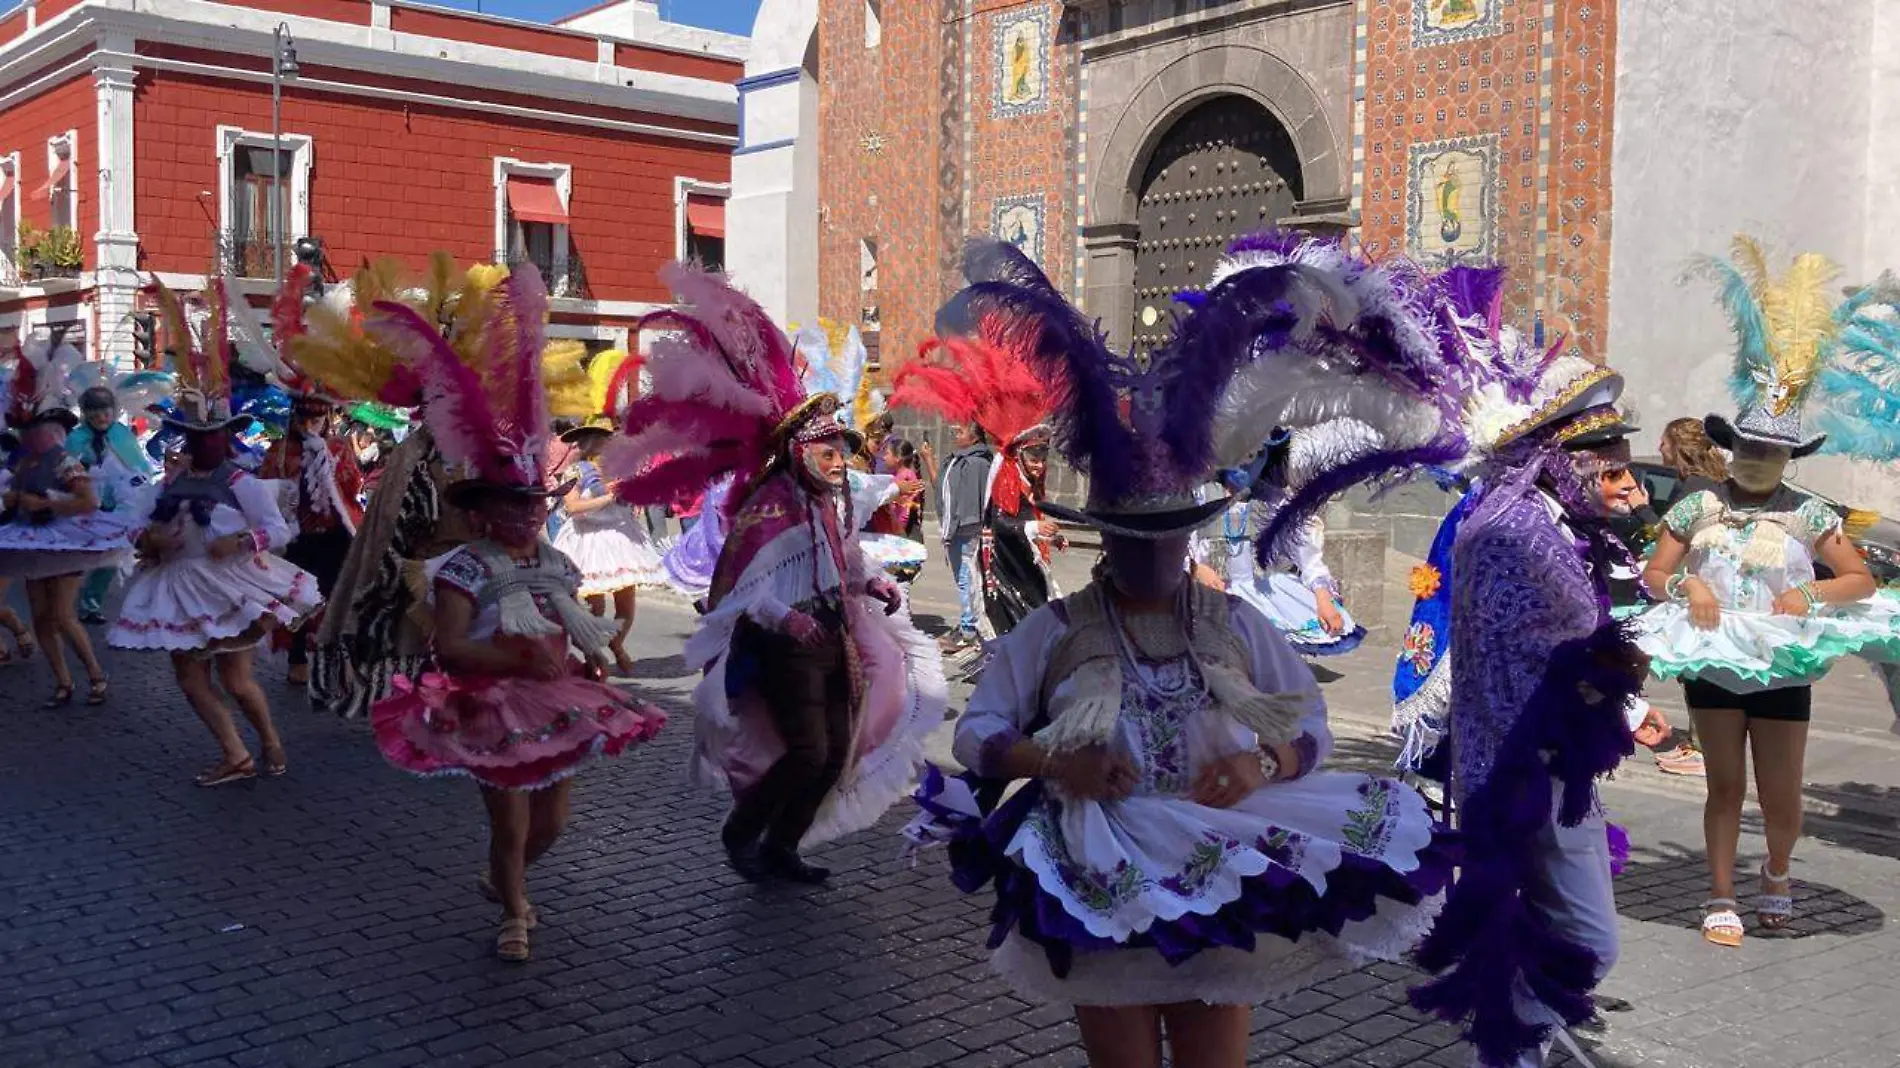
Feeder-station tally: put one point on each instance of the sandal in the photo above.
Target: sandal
(27, 645)
(511, 945)
(1773, 911)
(486, 887)
(97, 691)
(227, 771)
(275, 763)
(1720, 923)
(62, 696)
(1682, 760)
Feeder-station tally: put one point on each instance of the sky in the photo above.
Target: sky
(732, 16)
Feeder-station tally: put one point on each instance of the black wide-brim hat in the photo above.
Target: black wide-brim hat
(596, 425)
(1148, 521)
(1762, 427)
(63, 416)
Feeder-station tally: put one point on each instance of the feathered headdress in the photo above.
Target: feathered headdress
(1143, 430)
(1858, 392)
(42, 382)
(725, 396)
(483, 399)
(1784, 330)
(1408, 372)
(832, 358)
(201, 398)
(971, 380)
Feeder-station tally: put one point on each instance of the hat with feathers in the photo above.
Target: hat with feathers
(725, 396)
(1785, 329)
(482, 396)
(201, 359)
(42, 387)
(974, 379)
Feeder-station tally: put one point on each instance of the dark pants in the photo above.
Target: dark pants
(809, 695)
(322, 555)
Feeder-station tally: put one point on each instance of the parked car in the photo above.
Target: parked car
(1876, 536)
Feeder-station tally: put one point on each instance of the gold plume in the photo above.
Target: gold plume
(570, 389)
(1800, 324)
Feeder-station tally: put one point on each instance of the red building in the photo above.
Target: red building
(136, 139)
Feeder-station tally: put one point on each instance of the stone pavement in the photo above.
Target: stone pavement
(330, 917)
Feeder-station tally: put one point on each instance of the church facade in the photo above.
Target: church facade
(1592, 147)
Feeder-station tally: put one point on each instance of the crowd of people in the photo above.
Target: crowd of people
(445, 524)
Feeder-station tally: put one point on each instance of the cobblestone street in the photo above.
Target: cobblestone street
(331, 917)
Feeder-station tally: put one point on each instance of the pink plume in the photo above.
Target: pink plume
(683, 373)
(761, 354)
(454, 402)
(513, 341)
(674, 477)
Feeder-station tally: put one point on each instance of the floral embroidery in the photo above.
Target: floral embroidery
(1097, 891)
(1421, 643)
(1424, 582)
(1282, 847)
(1368, 826)
(1205, 860)
(1159, 716)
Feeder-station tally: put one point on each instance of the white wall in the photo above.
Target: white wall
(639, 20)
(1758, 123)
(772, 217)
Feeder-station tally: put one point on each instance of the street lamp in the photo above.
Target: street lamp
(283, 65)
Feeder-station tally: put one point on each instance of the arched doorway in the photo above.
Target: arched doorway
(1225, 169)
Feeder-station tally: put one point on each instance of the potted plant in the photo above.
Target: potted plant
(28, 248)
(61, 253)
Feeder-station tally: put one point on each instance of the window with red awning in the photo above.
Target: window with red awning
(535, 200)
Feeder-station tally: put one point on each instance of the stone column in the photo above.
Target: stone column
(116, 244)
(1108, 291)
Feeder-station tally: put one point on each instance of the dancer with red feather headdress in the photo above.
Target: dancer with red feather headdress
(976, 380)
(819, 692)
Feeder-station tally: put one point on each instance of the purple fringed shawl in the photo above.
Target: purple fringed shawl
(1540, 675)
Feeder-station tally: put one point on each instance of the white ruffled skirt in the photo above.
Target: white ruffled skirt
(1333, 844)
(1753, 651)
(196, 603)
(1293, 609)
(613, 550)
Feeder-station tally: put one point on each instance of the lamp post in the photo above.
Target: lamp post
(283, 64)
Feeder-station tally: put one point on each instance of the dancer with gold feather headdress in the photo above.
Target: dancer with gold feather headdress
(1745, 623)
(603, 536)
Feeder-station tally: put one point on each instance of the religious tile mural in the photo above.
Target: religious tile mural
(1019, 221)
(1436, 22)
(1451, 201)
(1022, 63)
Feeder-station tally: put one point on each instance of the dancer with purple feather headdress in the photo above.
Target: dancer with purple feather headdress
(1542, 679)
(1178, 854)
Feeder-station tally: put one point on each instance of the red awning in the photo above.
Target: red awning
(536, 200)
(706, 216)
(60, 171)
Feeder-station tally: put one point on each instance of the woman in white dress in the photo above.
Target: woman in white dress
(1177, 855)
(208, 588)
(605, 539)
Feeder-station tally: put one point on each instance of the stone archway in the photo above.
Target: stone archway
(772, 249)
(1117, 170)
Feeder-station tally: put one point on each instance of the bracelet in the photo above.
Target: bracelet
(1673, 588)
(1269, 764)
(1809, 594)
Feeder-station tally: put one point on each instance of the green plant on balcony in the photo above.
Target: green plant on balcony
(62, 250)
(28, 246)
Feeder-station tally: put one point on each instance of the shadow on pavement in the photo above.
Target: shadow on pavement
(1869, 821)
(1666, 883)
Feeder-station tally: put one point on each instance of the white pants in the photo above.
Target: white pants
(1571, 889)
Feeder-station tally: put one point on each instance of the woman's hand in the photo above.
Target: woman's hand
(34, 502)
(1792, 603)
(1225, 782)
(1094, 773)
(1210, 578)
(1705, 612)
(1330, 619)
(228, 546)
(540, 663)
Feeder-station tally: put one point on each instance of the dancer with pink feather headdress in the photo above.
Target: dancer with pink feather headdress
(511, 709)
(818, 691)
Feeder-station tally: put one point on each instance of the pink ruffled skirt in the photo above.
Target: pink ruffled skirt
(508, 733)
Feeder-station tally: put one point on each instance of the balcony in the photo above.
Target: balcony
(565, 278)
(243, 254)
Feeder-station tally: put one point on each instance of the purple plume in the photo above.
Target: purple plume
(1259, 305)
(1282, 243)
(1473, 291)
(1306, 501)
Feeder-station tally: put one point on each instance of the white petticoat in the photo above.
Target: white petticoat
(1749, 652)
(195, 602)
(1291, 608)
(1119, 867)
(613, 550)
